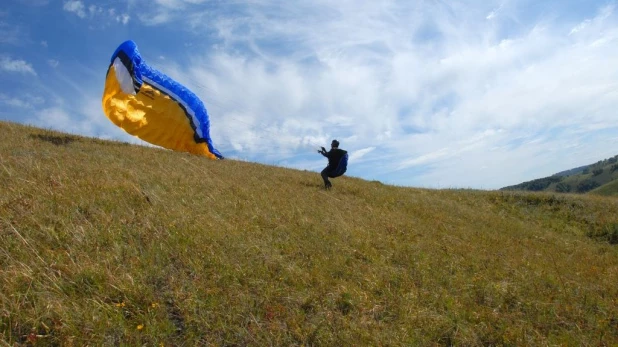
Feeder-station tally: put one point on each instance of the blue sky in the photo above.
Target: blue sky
(435, 93)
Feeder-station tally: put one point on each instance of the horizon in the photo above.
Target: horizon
(432, 95)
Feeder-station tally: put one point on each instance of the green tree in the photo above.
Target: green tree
(587, 185)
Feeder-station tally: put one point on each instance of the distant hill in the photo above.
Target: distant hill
(591, 178)
(571, 172)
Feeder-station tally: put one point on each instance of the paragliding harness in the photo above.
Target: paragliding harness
(341, 168)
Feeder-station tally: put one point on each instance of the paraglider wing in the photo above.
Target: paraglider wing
(153, 107)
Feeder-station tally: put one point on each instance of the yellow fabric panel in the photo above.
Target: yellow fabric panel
(152, 116)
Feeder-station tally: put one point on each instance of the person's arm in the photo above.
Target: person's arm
(324, 153)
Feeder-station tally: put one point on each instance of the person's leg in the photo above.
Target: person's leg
(324, 174)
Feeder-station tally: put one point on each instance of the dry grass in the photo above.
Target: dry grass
(102, 243)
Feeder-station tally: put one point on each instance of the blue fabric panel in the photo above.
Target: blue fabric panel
(342, 167)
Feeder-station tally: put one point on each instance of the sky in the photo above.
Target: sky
(428, 93)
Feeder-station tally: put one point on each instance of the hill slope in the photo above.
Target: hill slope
(578, 180)
(609, 189)
(104, 243)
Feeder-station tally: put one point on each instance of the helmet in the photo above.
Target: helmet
(335, 143)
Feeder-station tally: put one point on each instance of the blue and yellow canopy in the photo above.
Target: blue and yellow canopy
(153, 107)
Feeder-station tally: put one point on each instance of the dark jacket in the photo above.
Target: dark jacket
(334, 157)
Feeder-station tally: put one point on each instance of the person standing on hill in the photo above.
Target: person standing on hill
(337, 163)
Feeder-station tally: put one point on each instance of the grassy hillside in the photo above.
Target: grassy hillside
(579, 180)
(609, 189)
(104, 243)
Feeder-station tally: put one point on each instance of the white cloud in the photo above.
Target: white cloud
(14, 102)
(178, 4)
(124, 19)
(170, 3)
(420, 93)
(25, 101)
(75, 6)
(495, 12)
(458, 90)
(10, 34)
(21, 66)
(156, 19)
(357, 154)
(94, 11)
(579, 27)
(58, 118)
(53, 63)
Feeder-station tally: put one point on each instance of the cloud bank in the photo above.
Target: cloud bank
(425, 93)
